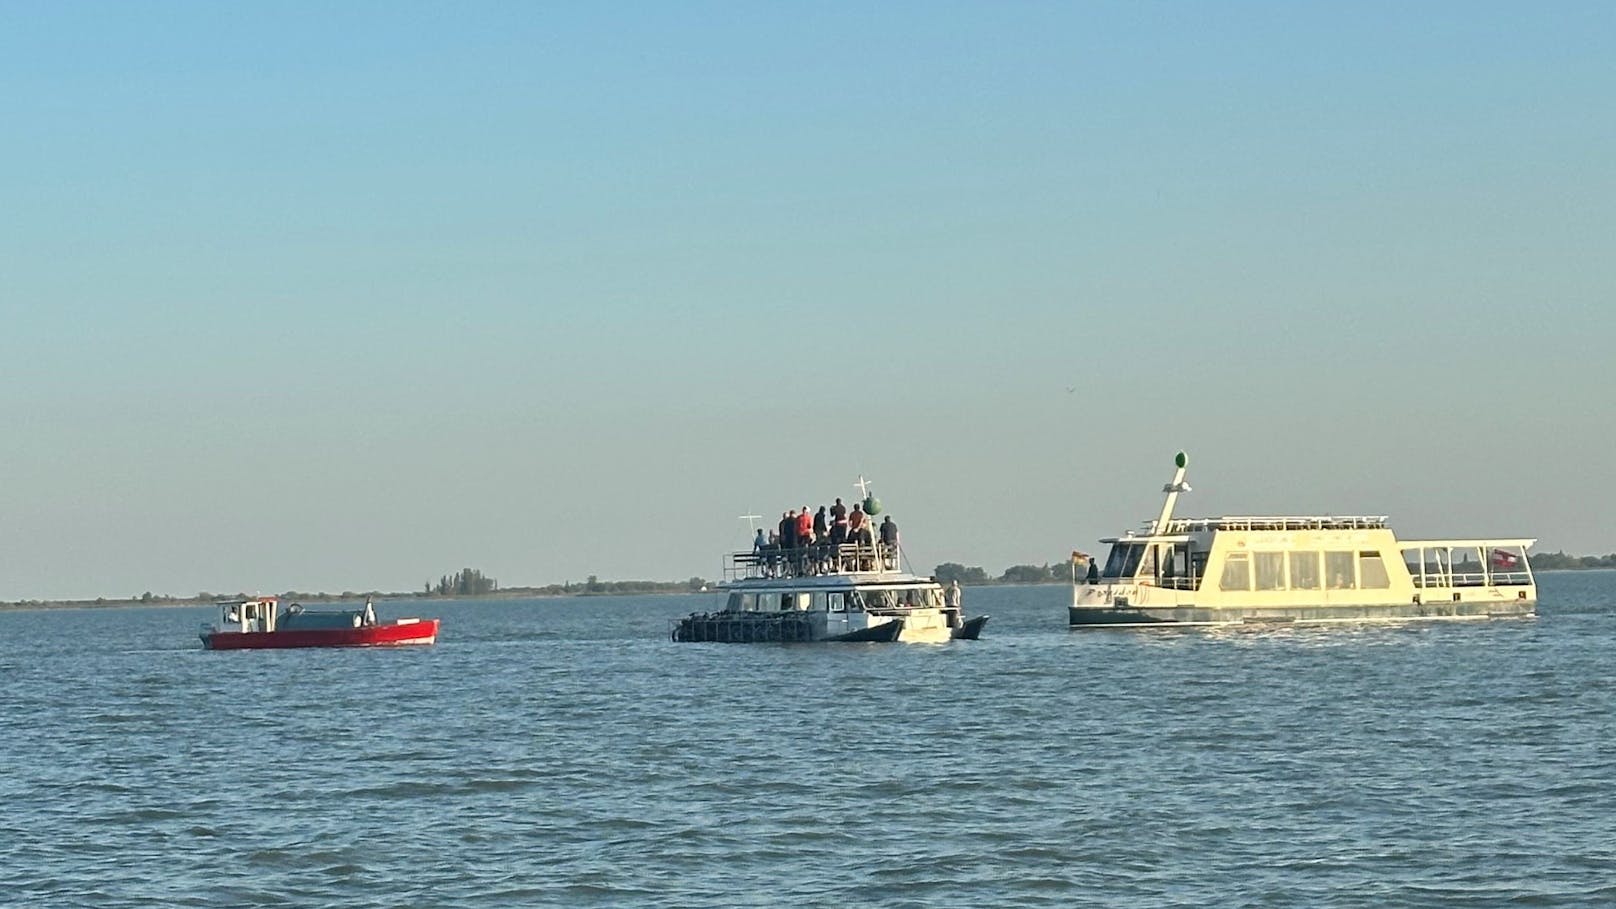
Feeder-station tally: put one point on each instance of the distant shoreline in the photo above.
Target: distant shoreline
(551, 591)
(510, 593)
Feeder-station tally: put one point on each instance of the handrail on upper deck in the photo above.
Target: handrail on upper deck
(813, 561)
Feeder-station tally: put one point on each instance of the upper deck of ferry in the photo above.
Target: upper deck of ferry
(816, 564)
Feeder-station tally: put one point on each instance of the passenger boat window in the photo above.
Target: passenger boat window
(1372, 572)
(1270, 570)
(1124, 560)
(1236, 572)
(1130, 568)
(836, 604)
(855, 601)
(818, 602)
(1338, 573)
(768, 602)
(934, 599)
(1146, 563)
(1305, 570)
(734, 604)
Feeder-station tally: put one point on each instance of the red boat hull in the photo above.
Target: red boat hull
(396, 633)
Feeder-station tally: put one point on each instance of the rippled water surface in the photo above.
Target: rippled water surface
(566, 753)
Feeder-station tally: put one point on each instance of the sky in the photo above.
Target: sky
(347, 296)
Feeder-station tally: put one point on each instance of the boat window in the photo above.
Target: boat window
(734, 604)
(855, 601)
(934, 598)
(882, 599)
(1305, 570)
(818, 602)
(1270, 570)
(1372, 572)
(1124, 560)
(1115, 561)
(768, 602)
(1146, 562)
(1411, 561)
(1236, 572)
(1338, 571)
(836, 604)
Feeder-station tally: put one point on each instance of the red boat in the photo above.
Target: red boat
(257, 623)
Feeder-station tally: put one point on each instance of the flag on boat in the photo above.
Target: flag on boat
(1503, 558)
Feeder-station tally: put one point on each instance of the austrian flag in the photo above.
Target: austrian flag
(1503, 558)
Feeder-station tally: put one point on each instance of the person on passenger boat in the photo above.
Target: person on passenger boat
(370, 612)
(805, 541)
(837, 528)
(889, 541)
(771, 554)
(858, 532)
(954, 595)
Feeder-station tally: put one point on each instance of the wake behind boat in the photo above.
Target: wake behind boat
(846, 585)
(1231, 570)
(255, 623)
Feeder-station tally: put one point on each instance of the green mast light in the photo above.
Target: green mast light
(1181, 459)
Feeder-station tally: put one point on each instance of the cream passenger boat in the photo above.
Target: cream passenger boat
(1237, 570)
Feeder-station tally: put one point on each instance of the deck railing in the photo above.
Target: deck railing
(812, 561)
(1435, 578)
(1260, 522)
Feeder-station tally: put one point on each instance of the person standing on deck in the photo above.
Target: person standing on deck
(858, 525)
(838, 531)
(954, 596)
(889, 541)
(805, 538)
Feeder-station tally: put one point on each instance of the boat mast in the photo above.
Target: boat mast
(1172, 489)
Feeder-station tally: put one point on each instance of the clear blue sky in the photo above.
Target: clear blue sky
(350, 295)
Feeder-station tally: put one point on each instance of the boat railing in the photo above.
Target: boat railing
(812, 561)
(1258, 522)
(1436, 578)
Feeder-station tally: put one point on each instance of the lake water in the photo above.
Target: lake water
(565, 753)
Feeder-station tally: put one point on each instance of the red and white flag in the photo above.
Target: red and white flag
(1503, 558)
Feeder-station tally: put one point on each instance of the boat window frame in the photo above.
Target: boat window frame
(1230, 560)
(1296, 558)
(1268, 566)
(1343, 559)
(1384, 577)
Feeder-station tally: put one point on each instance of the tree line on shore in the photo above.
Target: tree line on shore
(472, 582)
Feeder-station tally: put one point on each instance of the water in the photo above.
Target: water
(565, 753)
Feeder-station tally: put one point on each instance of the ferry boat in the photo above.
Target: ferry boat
(1240, 570)
(854, 591)
(256, 623)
